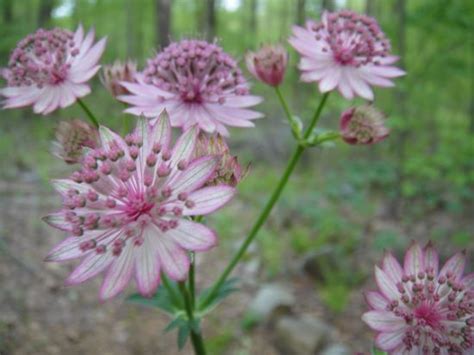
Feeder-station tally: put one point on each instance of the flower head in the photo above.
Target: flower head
(363, 125)
(228, 169)
(345, 50)
(125, 211)
(71, 139)
(198, 84)
(419, 309)
(49, 69)
(113, 74)
(268, 64)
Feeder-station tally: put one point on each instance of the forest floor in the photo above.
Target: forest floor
(38, 315)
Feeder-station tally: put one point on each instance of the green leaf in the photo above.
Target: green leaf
(183, 334)
(376, 351)
(228, 287)
(161, 299)
(179, 321)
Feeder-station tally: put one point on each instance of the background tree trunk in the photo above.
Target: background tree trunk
(7, 11)
(163, 27)
(210, 21)
(300, 12)
(327, 5)
(44, 12)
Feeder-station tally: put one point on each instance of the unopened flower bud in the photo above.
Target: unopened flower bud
(71, 138)
(112, 75)
(268, 64)
(228, 170)
(363, 125)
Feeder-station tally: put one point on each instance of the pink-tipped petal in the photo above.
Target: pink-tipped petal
(455, 266)
(376, 300)
(209, 199)
(193, 236)
(385, 284)
(389, 341)
(383, 321)
(414, 262)
(173, 260)
(118, 274)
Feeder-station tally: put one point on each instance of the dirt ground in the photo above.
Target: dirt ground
(38, 315)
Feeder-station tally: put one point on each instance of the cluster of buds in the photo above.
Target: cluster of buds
(113, 75)
(268, 64)
(71, 138)
(228, 170)
(363, 125)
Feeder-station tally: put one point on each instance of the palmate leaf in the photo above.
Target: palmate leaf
(161, 300)
(228, 287)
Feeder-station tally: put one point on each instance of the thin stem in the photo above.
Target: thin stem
(192, 287)
(284, 104)
(268, 207)
(88, 113)
(196, 337)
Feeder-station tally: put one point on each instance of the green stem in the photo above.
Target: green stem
(284, 104)
(192, 287)
(88, 113)
(268, 207)
(196, 337)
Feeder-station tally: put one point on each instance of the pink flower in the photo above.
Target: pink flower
(419, 309)
(198, 84)
(268, 64)
(113, 75)
(345, 50)
(71, 139)
(126, 211)
(49, 69)
(363, 125)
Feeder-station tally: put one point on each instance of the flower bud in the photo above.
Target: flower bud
(268, 64)
(363, 125)
(228, 170)
(71, 138)
(112, 75)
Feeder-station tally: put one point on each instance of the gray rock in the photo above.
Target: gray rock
(269, 298)
(300, 336)
(336, 349)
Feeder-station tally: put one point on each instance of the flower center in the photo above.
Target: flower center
(427, 314)
(343, 56)
(138, 205)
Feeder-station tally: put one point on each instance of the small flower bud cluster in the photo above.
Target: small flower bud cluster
(113, 74)
(363, 125)
(228, 171)
(71, 138)
(268, 64)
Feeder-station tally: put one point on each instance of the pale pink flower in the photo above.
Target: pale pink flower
(127, 210)
(113, 75)
(50, 68)
(72, 137)
(268, 64)
(198, 84)
(419, 309)
(347, 51)
(363, 125)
